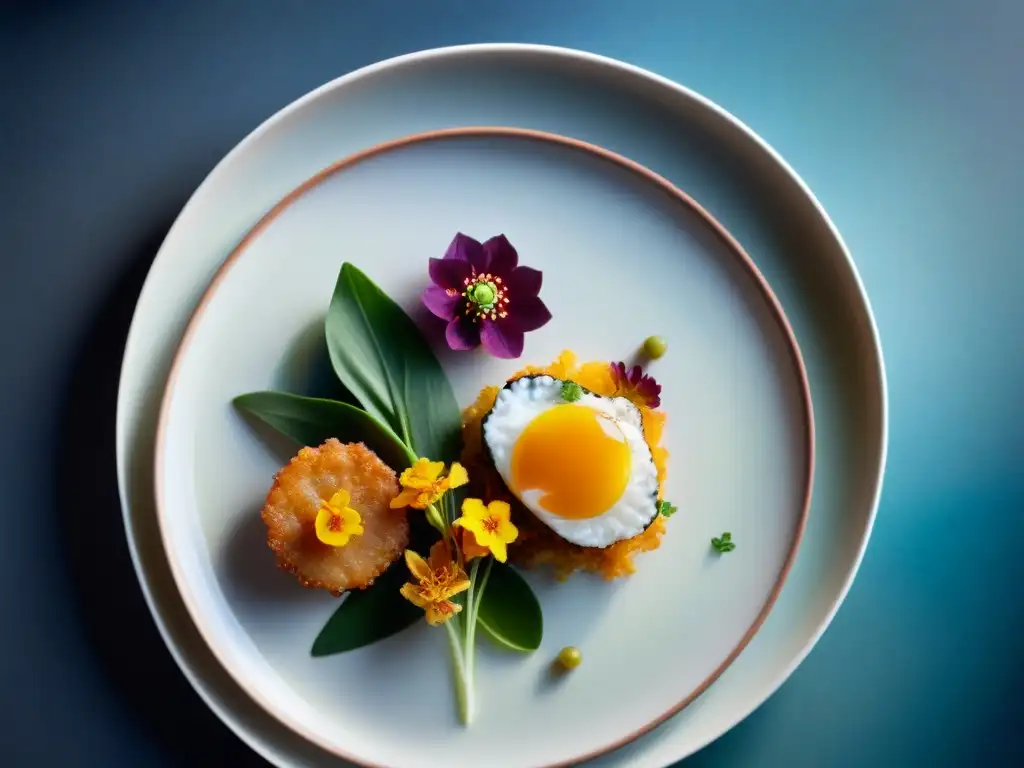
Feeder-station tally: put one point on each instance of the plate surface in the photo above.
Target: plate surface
(667, 128)
(624, 255)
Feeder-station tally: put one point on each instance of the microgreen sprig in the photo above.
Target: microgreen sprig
(724, 543)
(571, 391)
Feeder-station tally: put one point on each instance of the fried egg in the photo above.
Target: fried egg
(583, 467)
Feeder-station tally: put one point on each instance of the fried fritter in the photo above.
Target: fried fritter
(310, 479)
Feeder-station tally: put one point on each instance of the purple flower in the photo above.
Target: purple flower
(485, 296)
(636, 386)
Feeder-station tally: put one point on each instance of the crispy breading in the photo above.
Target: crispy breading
(299, 489)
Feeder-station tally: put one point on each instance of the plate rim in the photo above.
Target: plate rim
(131, 429)
(779, 317)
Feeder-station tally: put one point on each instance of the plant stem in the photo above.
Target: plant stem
(476, 593)
(462, 641)
(463, 684)
(433, 516)
(470, 623)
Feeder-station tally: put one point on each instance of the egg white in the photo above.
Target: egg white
(522, 401)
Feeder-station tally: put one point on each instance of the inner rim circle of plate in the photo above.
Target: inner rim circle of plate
(669, 129)
(196, 585)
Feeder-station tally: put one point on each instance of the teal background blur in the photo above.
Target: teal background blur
(906, 120)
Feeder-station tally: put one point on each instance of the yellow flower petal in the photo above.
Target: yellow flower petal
(410, 478)
(453, 588)
(597, 377)
(474, 525)
(404, 499)
(499, 510)
(472, 510)
(350, 515)
(439, 613)
(457, 476)
(439, 579)
(422, 474)
(414, 595)
(416, 499)
(340, 499)
(417, 566)
(336, 523)
(327, 531)
(566, 364)
(490, 525)
(425, 498)
(422, 484)
(335, 539)
(497, 547)
(507, 532)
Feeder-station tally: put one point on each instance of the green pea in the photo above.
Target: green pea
(655, 347)
(570, 657)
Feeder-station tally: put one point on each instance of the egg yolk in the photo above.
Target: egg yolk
(576, 457)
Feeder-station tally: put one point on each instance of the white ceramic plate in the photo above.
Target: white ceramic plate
(668, 129)
(624, 254)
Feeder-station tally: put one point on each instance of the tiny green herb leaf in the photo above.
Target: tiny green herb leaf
(723, 543)
(571, 391)
(509, 611)
(666, 508)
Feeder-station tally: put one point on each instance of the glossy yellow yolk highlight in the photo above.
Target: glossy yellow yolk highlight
(576, 457)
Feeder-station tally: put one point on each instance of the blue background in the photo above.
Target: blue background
(906, 120)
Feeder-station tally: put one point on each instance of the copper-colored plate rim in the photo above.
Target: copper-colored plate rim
(552, 138)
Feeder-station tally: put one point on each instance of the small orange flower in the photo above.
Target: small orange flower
(422, 484)
(490, 524)
(470, 547)
(439, 579)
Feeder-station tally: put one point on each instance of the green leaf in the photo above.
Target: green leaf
(369, 615)
(667, 509)
(509, 611)
(382, 358)
(310, 421)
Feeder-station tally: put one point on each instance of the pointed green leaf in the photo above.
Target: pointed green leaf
(310, 421)
(368, 615)
(382, 358)
(509, 611)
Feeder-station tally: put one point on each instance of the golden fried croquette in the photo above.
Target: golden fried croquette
(310, 479)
